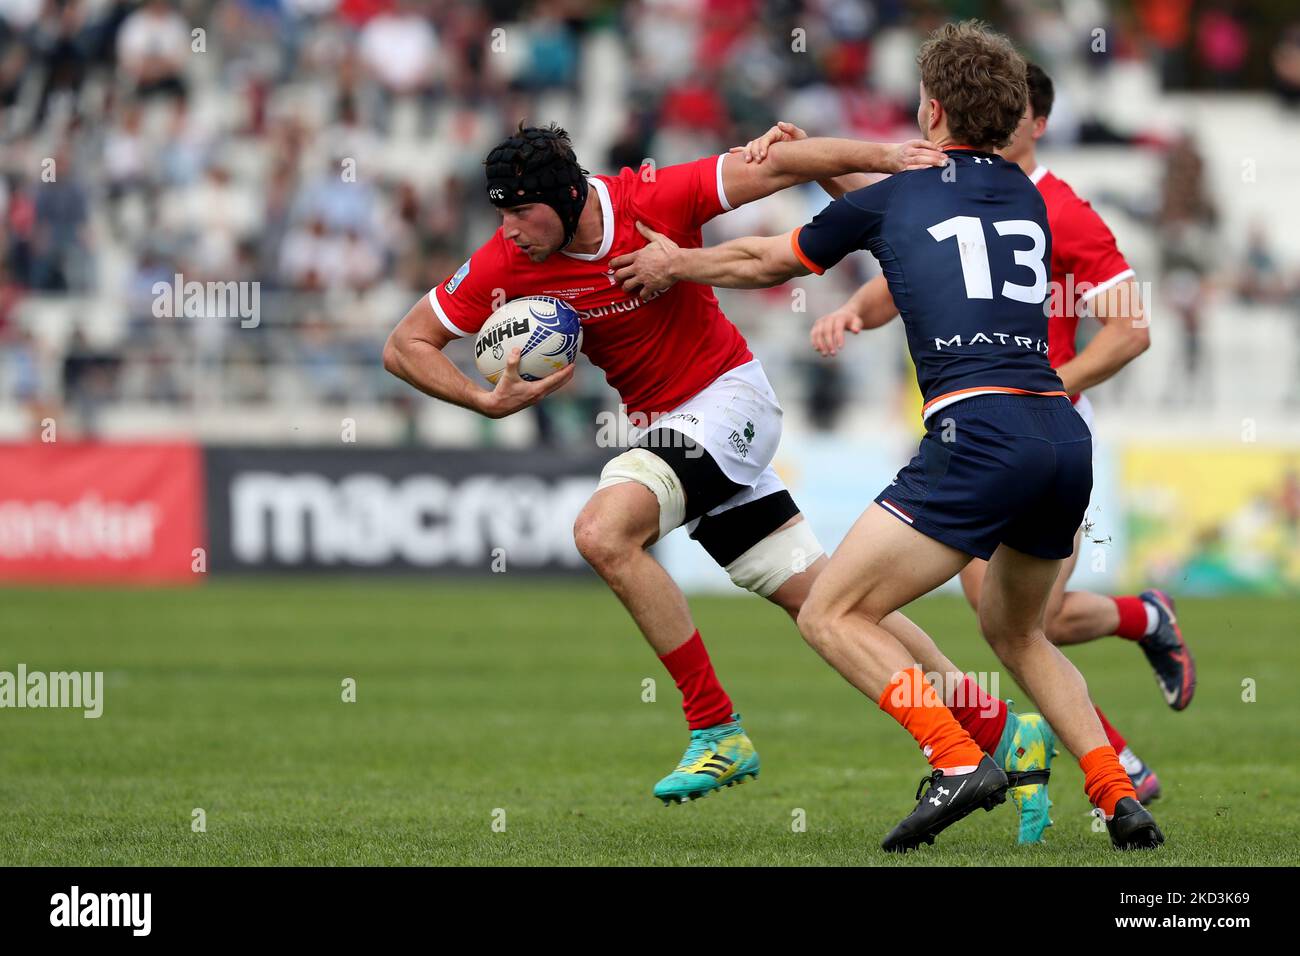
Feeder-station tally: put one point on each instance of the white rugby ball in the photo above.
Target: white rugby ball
(547, 331)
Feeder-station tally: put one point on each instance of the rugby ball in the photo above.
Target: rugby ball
(547, 331)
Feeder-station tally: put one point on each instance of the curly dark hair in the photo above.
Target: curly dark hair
(978, 78)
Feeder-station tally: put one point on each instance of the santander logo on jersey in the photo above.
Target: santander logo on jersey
(626, 304)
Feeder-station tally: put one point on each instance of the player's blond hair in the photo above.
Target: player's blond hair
(978, 78)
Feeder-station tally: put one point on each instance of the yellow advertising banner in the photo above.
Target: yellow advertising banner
(1214, 518)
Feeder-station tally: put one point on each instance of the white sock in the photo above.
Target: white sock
(1131, 762)
(1153, 618)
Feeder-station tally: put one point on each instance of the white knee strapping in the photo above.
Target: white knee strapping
(774, 560)
(648, 469)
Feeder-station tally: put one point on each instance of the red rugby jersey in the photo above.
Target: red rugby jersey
(656, 353)
(1085, 262)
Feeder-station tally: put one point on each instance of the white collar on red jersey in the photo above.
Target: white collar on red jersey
(1038, 174)
(607, 224)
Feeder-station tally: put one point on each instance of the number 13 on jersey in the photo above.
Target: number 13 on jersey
(973, 249)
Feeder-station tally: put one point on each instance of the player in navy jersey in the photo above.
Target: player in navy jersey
(1004, 471)
(1089, 276)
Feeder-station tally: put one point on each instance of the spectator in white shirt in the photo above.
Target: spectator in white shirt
(399, 51)
(152, 48)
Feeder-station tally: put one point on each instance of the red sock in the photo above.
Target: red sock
(1114, 736)
(981, 716)
(1132, 618)
(703, 699)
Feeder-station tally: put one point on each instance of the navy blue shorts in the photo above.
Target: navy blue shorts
(1014, 470)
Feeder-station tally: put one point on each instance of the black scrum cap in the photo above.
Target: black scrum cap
(537, 164)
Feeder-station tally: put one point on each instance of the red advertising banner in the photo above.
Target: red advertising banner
(97, 512)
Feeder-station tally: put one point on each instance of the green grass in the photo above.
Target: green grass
(473, 697)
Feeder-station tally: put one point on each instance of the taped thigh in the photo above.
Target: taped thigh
(777, 558)
(648, 469)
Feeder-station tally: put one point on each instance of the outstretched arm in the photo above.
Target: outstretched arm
(753, 262)
(801, 160)
(756, 151)
(845, 225)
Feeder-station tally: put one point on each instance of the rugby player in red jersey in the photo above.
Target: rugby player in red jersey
(713, 421)
(1089, 276)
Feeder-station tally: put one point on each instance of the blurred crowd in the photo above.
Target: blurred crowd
(329, 151)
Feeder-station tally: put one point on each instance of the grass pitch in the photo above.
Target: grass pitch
(522, 705)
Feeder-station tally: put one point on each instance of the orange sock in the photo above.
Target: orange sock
(1104, 779)
(911, 701)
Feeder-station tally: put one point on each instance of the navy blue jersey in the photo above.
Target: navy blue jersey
(966, 250)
